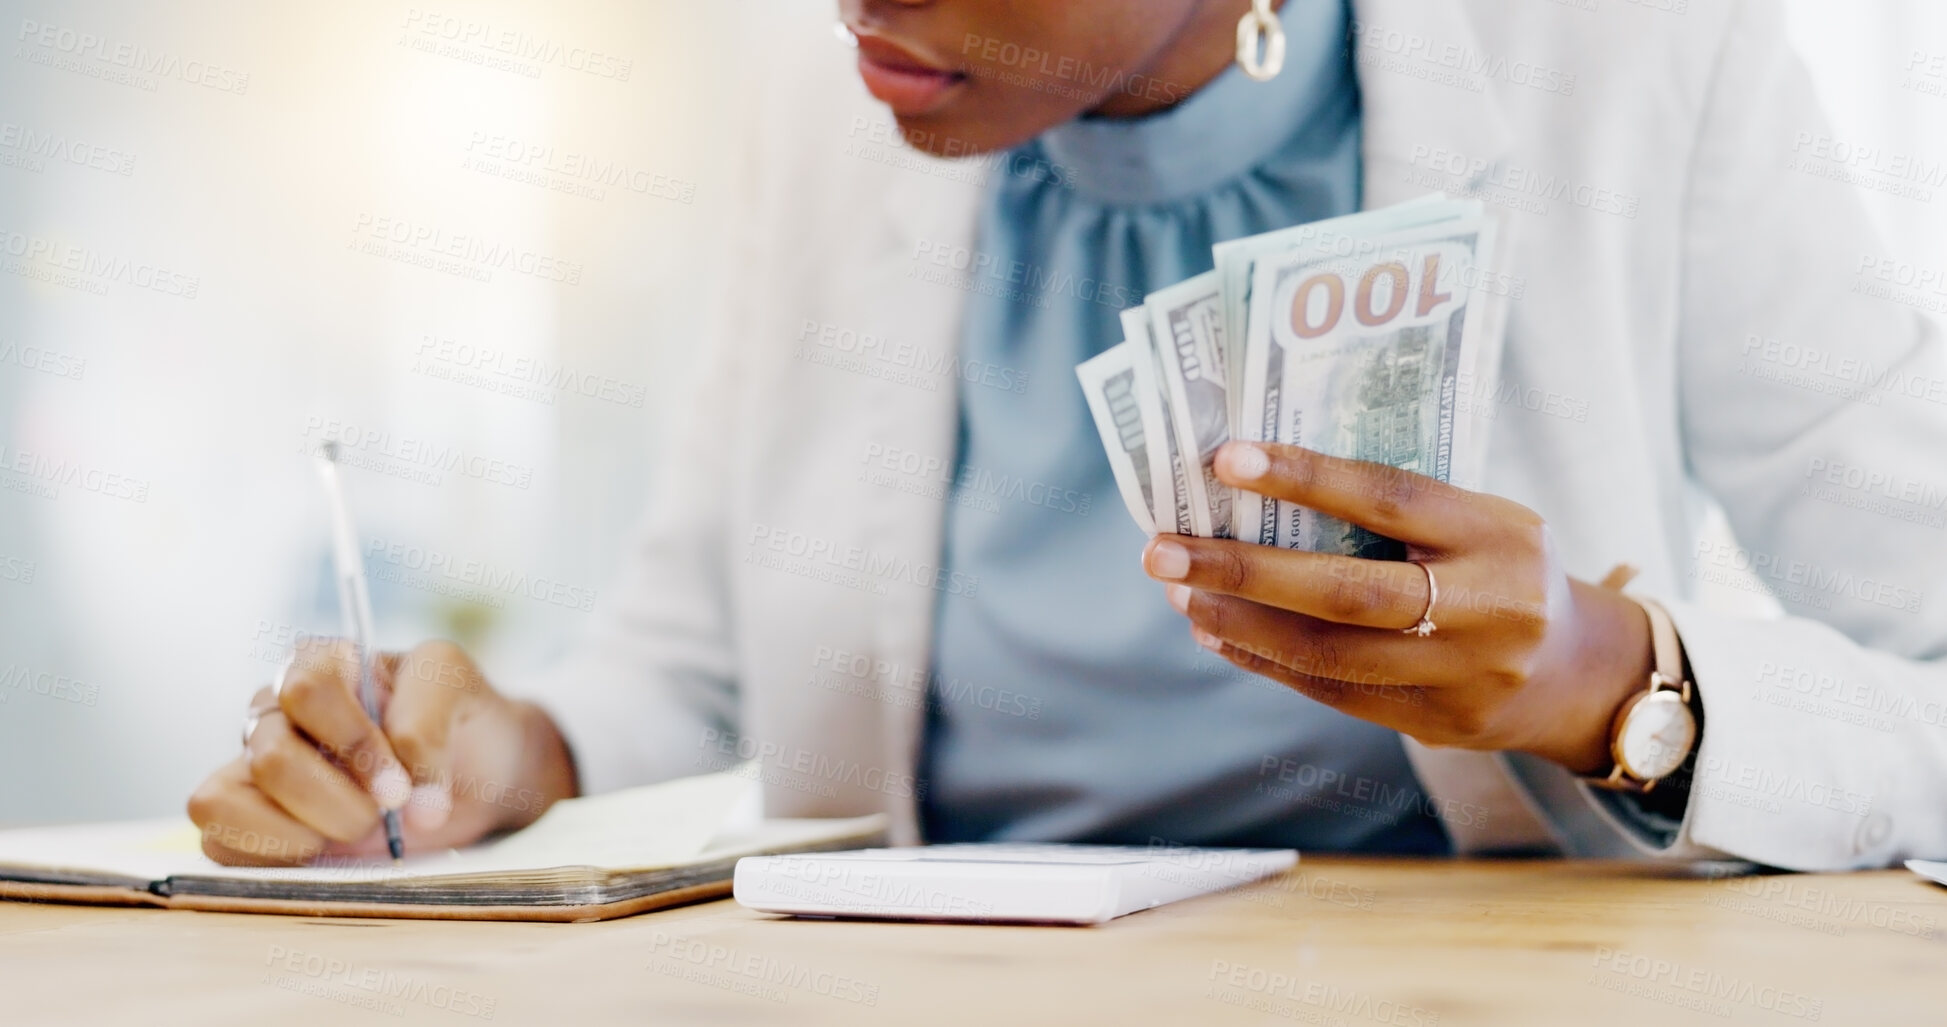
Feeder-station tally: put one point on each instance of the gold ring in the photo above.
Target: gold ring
(1426, 626)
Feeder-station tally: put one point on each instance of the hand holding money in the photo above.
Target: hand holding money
(1288, 427)
(1525, 659)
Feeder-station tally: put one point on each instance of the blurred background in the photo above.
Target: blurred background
(232, 230)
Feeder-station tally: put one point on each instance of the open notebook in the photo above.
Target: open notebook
(585, 859)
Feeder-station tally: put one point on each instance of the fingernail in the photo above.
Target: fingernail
(1246, 462)
(1179, 597)
(392, 787)
(1206, 639)
(429, 806)
(1169, 561)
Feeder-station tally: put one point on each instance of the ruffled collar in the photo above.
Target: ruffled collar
(1222, 131)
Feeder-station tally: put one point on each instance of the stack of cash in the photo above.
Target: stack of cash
(1350, 337)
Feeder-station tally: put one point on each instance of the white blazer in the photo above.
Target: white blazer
(1698, 308)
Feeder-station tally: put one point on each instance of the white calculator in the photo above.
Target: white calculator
(999, 883)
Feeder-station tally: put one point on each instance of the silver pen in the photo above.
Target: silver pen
(355, 609)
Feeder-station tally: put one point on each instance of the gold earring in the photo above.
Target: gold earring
(1260, 29)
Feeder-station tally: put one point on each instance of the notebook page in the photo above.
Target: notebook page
(651, 826)
(147, 850)
(637, 828)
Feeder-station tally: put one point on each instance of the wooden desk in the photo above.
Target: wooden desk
(1337, 941)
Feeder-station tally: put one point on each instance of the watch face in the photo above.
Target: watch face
(1656, 736)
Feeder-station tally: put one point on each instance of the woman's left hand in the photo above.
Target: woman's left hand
(1524, 657)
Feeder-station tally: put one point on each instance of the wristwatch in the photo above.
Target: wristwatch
(1655, 731)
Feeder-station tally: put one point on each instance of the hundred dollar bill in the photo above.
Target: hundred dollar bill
(1169, 469)
(1359, 356)
(1237, 258)
(1188, 324)
(1109, 383)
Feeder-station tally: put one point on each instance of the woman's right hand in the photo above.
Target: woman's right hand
(458, 759)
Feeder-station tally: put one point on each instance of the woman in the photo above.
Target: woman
(885, 566)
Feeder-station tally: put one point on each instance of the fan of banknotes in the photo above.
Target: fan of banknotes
(1349, 336)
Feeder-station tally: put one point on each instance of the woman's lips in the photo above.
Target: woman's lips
(902, 81)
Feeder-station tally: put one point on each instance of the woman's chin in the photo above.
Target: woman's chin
(963, 130)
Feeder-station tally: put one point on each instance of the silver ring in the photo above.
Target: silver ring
(253, 714)
(250, 720)
(1426, 626)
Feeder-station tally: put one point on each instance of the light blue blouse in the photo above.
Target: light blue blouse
(1069, 702)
